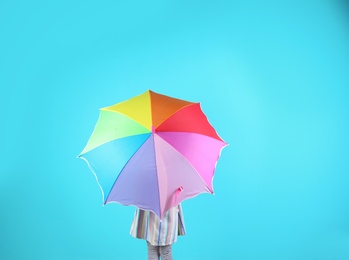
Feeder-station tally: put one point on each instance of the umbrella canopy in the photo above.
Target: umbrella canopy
(153, 151)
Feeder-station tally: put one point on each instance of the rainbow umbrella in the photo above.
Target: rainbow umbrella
(153, 151)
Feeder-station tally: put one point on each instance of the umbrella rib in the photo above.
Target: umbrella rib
(157, 178)
(187, 162)
(113, 139)
(192, 104)
(105, 202)
(224, 144)
(101, 118)
(190, 131)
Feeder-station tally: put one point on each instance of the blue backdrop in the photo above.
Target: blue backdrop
(271, 76)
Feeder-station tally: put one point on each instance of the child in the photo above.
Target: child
(159, 234)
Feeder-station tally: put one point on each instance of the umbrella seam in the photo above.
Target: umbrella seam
(124, 168)
(191, 163)
(82, 152)
(192, 103)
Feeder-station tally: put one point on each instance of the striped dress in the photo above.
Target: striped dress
(147, 225)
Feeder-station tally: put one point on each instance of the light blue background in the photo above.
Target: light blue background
(272, 77)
